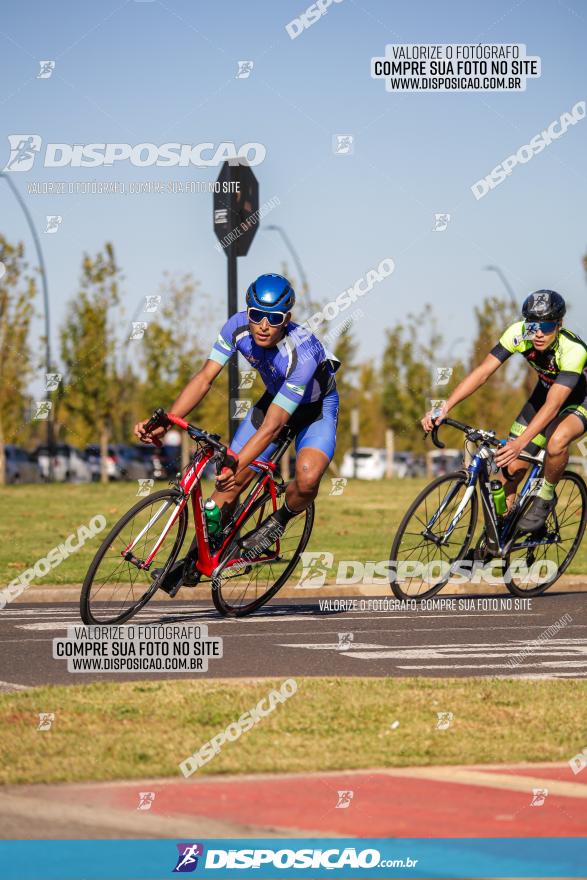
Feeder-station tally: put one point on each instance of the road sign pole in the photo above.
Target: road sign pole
(354, 438)
(233, 362)
(236, 220)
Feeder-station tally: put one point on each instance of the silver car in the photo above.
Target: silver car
(69, 464)
(21, 466)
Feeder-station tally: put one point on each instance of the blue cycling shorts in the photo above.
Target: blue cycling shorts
(314, 425)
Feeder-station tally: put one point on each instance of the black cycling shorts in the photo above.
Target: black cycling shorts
(575, 404)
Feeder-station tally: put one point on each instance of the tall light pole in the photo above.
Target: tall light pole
(505, 283)
(37, 244)
(300, 269)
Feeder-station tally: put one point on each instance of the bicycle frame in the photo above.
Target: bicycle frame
(499, 533)
(190, 486)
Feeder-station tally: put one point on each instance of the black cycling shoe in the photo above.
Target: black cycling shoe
(173, 580)
(536, 515)
(261, 539)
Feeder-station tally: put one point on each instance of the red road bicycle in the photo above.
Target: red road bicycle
(121, 579)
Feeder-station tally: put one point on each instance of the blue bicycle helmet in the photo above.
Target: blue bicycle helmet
(271, 293)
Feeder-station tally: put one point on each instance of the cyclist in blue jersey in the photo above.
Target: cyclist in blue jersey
(298, 374)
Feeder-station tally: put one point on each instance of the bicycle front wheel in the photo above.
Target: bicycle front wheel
(422, 552)
(530, 570)
(243, 585)
(116, 588)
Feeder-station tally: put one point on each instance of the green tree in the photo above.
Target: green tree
(409, 361)
(17, 292)
(91, 385)
(497, 403)
(171, 349)
(176, 343)
(345, 350)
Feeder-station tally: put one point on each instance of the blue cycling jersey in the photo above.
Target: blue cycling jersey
(296, 371)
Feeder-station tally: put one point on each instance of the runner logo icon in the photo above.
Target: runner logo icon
(23, 151)
(188, 854)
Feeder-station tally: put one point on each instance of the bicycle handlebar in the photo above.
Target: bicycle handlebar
(162, 419)
(472, 433)
(476, 434)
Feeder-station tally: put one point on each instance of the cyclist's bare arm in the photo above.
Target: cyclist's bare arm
(196, 389)
(193, 393)
(274, 421)
(464, 389)
(555, 399)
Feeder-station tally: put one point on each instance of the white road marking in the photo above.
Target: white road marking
(557, 655)
(455, 653)
(332, 646)
(9, 686)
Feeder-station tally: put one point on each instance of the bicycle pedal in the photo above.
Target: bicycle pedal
(173, 580)
(190, 575)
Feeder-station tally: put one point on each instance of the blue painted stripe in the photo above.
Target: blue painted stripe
(224, 858)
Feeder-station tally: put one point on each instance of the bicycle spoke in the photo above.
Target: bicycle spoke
(564, 526)
(242, 589)
(438, 507)
(118, 586)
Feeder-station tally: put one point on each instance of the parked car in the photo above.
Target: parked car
(92, 453)
(21, 466)
(164, 466)
(443, 461)
(69, 464)
(122, 462)
(370, 463)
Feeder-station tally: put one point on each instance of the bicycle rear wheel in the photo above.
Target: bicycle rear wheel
(243, 585)
(418, 539)
(114, 588)
(554, 546)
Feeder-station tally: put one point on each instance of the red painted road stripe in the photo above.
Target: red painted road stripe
(382, 805)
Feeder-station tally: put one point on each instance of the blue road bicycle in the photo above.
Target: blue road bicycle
(438, 531)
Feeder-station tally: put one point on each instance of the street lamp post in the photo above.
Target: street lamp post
(505, 283)
(37, 243)
(300, 269)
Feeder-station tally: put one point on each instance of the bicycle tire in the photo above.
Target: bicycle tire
(461, 478)
(513, 588)
(86, 612)
(222, 605)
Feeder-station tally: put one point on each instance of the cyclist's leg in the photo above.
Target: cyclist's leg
(569, 425)
(226, 501)
(516, 470)
(315, 447)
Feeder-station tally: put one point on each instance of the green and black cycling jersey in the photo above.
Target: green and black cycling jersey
(562, 363)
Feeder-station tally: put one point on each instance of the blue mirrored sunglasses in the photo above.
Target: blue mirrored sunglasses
(276, 319)
(533, 327)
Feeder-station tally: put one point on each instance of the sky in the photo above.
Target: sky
(165, 71)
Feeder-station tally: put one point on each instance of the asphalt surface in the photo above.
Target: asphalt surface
(293, 638)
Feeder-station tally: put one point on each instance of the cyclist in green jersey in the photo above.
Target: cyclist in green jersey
(554, 416)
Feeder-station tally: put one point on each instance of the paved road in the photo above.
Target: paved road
(292, 638)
